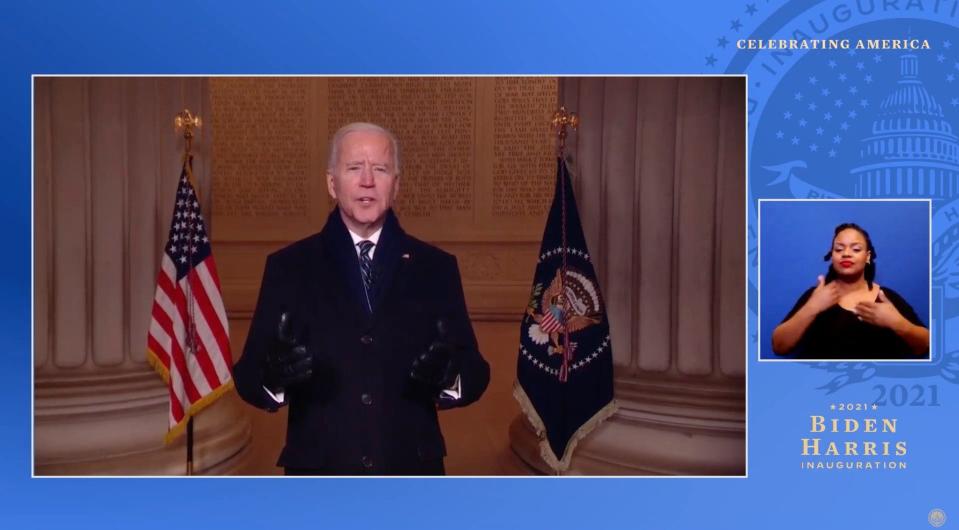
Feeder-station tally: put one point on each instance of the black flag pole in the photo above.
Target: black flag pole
(187, 121)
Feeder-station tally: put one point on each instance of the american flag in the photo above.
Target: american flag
(189, 339)
(550, 324)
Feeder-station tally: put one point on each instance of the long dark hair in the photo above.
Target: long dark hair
(870, 271)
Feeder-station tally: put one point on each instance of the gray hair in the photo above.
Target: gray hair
(361, 126)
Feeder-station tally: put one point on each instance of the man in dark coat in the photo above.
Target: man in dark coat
(362, 330)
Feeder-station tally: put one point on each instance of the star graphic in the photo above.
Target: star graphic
(853, 89)
(812, 106)
(860, 65)
(832, 153)
(824, 92)
(868, 78)
(827, 116)
(735, 24)
(813, 147)
(819, 131)
(795, 141)
(947, 44)
(710, 60)
(852, 114)
(787, 115)
(842, 77)
(844, 125)
(877, 58)
(950, 78)
(803, 122)
(779, 134)
(798, 96)
(838, 103)
(813, 80)
(863, 103)
(836, 139)
(751, 9)
(832, 64)
(721, 42)
(874, 406)
(940, 57)
(954, 102)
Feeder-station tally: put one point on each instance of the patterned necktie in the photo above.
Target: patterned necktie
(366, 266)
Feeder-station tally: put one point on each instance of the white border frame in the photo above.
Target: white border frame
(759, 282)
(745, 205)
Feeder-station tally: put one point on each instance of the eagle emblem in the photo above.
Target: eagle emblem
(570, 306)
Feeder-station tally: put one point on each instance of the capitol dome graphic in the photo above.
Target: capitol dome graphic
(912, 150)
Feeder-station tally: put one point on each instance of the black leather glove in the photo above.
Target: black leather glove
(288, 362)
(439, 365)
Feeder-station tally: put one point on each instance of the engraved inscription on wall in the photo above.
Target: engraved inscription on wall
(434, 121)
(524, 163)
(261, 147)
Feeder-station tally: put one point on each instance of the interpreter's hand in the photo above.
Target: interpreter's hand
(439, 365)
(881, 313)
(824, 296)
(288, 362)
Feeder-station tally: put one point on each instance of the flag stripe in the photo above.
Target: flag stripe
(183, 386)
(158, 345)
(211, 283)
(212, 309)
(209, 349)
(193, 374)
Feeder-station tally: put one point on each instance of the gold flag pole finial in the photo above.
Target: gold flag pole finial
(187, 121)
(562, 120)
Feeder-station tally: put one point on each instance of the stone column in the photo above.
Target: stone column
(106, 163)
(660, 184)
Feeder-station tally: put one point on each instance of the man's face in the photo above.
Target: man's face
(364, 182)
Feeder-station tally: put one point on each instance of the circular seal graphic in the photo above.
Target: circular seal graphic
(937, 517)
(561, 304)
(852, 121)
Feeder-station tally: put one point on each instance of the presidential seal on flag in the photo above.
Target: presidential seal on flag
(571, 303)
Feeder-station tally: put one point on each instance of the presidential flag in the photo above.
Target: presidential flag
(565, 368)
(189, 339)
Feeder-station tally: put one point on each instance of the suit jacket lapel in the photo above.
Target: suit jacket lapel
(346, 267)
(389, 262)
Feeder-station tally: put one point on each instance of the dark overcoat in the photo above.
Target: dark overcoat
(361, 413)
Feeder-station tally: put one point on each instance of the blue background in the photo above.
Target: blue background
(794, 236)
(495, 37)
